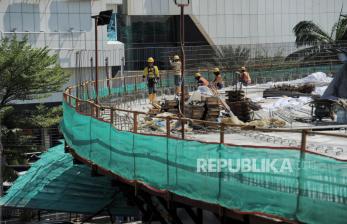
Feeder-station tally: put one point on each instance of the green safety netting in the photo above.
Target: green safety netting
(55, 183)
(228, 77)
(316, 193)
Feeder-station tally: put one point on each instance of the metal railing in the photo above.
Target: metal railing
(128, 119)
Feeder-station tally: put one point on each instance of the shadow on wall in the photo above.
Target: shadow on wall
(22, 17)
(71, 19)
(70, 15)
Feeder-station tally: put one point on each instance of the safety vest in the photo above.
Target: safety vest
(151, 72)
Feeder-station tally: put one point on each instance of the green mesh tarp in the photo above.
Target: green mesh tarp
(168, 81)
(55, 183)
(316, 193)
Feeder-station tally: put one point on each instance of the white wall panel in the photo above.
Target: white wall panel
(220, 7)
(245, 25)
(261, 7)
(229, 24)
(221, 28)
(245, 7)
(262, 25)
(155, 4)
(277, 7)
(269, 6)
(331, 7)
(292, 6)
(253, 7)
(28, 21)
(16, 21)
(278, 25)
(253, 26)
(237, 6)
(225, 21)
(212, 26)
(212, 7)
(238, 25)
(164, 7)
(203, 6)
(299, 6)
(74, 7)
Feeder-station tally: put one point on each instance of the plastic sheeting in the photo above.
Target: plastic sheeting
(338, 86)
(55, 183)
(317, 193)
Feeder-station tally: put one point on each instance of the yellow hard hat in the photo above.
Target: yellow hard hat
(243, 68)
(197, 75)
(176, 57)
(150, 60)
(216, 70)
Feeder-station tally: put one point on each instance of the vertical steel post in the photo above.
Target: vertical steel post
(135, 122)
(183, 57)
(182, 125)
(112, 117)
(168, 127)
(301, 164)
(108, 78)
(221, 133)
(96, 61)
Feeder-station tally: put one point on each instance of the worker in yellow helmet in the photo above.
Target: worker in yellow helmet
(245, 77)
(201, 80)
(151, 74)
(176, 67)
(218, 79)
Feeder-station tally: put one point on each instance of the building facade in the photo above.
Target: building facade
(225, 22)
(144, 28)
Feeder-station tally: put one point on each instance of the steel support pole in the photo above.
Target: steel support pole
(183, 57)
(96, 61)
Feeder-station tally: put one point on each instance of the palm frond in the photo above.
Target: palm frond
(340, 30)
(307, 33)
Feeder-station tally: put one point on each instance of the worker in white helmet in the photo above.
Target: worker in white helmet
(176, 67)
(218, 79)
(151, 74)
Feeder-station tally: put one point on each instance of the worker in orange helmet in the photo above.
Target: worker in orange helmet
(151, 74)
(245, 78)
(201, 80)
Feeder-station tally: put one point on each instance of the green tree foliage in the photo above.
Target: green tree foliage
(317, 44)
(235, 57)
(27, 73)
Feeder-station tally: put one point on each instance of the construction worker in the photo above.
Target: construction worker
(245, 78)
(151, 74)
(218, 80)
(201, 80)
(176, 67)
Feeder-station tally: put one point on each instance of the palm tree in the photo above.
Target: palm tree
(317, 44)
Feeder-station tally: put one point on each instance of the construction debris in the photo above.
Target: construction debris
(289, 90)
(194, 111)
(171, 106)
(240, 105)
(212, 109)
(272, 122)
